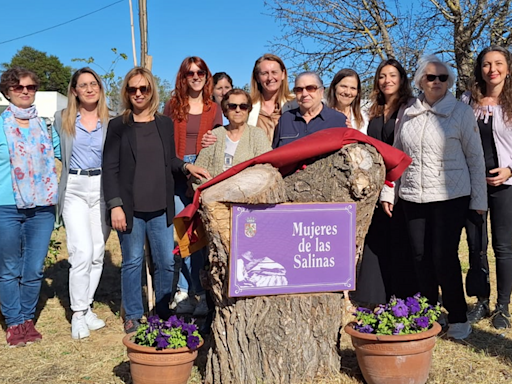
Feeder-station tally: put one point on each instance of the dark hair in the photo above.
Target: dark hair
(235, 91)
(377, 97)
(12, 77)
(356, 103)
(178, 104)
(221, 75)
(479, 86)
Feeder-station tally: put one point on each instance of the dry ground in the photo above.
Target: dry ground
(485, 357)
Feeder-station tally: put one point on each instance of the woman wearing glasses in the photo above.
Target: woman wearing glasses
(28, 194)
(445, 179)
(78, 139)
(491, 100)
(237, 141)
(194, 113)
(139, 164)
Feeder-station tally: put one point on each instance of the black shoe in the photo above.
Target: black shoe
(501, 317)
(479, 311)
(131, 325)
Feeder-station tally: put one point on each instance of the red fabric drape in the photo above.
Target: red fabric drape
(287, 159)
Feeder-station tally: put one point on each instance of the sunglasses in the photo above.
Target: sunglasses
(32, 88)
(200, 74)
(233, 106)
(442, 78)
(133, 90)
(308, 88)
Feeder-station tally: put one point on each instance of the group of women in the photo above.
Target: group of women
(135, 171)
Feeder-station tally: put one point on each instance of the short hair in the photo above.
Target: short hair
(153, 91)
(284, 94)
(377, 97)
(235, 91)
(310, 73)
(422, 67)
(221, 75)
(12, 77)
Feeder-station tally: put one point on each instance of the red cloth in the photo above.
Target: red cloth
(293, 156)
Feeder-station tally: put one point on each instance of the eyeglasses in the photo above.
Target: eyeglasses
(201, 74)
(442, 78)
(133, 90)
(308, 88)
(32, 88)
(243, 106)
(92, 84)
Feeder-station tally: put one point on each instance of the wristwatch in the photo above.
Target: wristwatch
(185, 170)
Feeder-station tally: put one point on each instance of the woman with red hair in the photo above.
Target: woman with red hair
(194, 113)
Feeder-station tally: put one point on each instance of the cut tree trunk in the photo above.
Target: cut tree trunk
(286, 338)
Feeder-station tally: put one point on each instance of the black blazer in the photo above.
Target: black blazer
(119, 159)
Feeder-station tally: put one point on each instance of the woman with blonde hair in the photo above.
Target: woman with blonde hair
(78, 138)
(139, 164)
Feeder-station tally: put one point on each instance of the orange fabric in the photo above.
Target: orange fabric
(180, 128)
(287, 159)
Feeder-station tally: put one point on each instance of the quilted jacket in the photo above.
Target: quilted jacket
(448, 162)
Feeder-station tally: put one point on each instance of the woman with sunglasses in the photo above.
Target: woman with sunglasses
(139, 164)
(194, 113)
(344, 95)
(78, 138)
(382, 261)
(491, 100)
(28, 194)
(445, 179)
(237, 141)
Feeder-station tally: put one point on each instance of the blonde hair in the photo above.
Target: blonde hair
(69, 114)
(283, 94)
(153, 92)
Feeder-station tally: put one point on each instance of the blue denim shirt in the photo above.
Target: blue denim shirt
(87, 147)
(292, 125)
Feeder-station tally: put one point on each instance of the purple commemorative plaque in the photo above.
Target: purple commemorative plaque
(292, 248)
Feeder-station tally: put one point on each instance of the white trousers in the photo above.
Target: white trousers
(87, 233)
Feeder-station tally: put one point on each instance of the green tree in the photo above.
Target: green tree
(54, 75)
(164, 91)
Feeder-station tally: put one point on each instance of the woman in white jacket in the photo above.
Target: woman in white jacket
(445, 179)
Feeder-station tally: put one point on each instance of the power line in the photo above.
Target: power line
(61, 24)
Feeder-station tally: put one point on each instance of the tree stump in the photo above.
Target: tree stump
(287, 338)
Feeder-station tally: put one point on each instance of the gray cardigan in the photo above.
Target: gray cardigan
(63, 147)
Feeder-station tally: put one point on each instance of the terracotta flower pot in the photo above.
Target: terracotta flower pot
(168, 366)
(401, 359)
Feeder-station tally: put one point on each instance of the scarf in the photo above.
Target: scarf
(33, 173)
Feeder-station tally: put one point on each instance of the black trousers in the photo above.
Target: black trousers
(500, 206)
(434, 230)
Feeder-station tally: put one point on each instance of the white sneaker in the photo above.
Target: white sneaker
(459, 331)
(79, 328)
(179, 296)
(202, 307)
(182, 303)
(92, 321)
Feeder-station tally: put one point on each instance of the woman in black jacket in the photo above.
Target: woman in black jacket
(139, 160)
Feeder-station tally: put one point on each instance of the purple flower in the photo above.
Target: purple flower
(363, 310)
(174, 322)
(192, 342)
(398, 328)
(189, 328)
(364, 329)
(413, 304)
(400, 309)
(162, 341)
(422, 322)
(380, 310)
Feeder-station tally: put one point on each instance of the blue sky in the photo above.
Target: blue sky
(228, 34)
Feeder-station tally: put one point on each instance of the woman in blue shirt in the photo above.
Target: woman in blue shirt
(80, 132)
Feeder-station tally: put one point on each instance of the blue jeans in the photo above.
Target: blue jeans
(189, 275)
(161, 241)
(24, 238)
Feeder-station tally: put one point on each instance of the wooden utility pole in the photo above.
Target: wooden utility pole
(133, 35)
(145, 60)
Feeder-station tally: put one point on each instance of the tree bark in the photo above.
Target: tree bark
(286, 338)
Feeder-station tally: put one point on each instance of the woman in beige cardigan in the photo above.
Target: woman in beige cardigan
(236, 142)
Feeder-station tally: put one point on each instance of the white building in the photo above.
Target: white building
(47, 103)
